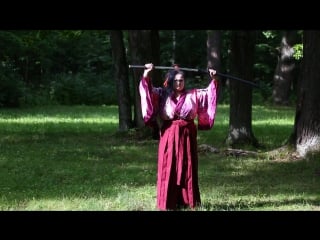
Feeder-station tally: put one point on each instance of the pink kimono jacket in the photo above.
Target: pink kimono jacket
(177, 178)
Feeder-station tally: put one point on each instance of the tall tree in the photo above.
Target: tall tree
(142, 44)
(214, 52)
(285, 70)
(306, 134)
(122, 79)
(174, 44)
(242, 59)
(214, 49)
(155, 55)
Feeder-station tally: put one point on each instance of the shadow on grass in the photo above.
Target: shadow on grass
(247, 183)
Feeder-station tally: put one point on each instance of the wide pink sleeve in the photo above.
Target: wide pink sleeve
(149, 100)
(207, 103)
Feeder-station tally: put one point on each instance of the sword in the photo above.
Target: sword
(199, 71)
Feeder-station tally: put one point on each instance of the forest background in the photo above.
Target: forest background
(64, 94)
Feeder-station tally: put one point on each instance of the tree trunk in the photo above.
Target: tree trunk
(141, 43)
(155, 56)
(242, 53)
(214, 54)
(122, 79)
(174, 42)
(306, 135)
(214, 49)
(286, 69)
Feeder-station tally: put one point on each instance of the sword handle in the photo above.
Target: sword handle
(136, 66)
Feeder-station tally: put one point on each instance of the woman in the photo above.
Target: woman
(177, 178)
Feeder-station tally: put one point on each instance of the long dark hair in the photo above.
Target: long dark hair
(170, 78)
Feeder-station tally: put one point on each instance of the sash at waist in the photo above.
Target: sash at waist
(180, 122)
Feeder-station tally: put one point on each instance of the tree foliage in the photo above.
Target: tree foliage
(76, 66)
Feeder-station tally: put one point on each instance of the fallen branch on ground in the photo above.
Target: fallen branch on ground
(239, 152)
(207, 148)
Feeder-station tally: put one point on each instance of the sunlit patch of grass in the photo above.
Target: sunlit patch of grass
(127, 198)
(258, 203)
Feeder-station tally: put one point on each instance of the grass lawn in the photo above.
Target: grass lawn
(73, 158)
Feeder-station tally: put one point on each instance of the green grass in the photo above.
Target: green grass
(73, 158)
